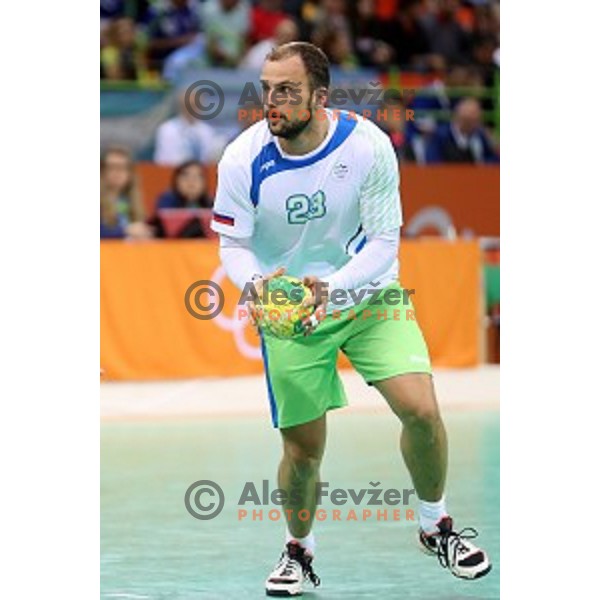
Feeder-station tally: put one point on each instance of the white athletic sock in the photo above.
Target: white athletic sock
(430, 513)
(308, 543)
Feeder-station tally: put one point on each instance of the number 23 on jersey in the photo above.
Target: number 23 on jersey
(302, 208)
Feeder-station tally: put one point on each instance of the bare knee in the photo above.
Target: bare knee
(412, 398)
(424, 415)
(304, 459)
(304, 445)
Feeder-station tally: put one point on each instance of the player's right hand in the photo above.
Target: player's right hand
(259, 284)
(318, 298)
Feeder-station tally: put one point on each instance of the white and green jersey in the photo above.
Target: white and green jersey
(310, 213)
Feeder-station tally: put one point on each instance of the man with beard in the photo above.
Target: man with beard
(317, 192)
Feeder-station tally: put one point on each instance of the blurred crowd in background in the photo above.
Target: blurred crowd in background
(451, 45)
(139, 37)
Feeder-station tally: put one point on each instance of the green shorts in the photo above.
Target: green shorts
(381, 339)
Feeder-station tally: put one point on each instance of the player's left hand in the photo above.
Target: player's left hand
(318, 298)
(258, 288)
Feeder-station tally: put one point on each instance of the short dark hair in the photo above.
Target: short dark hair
(314, 59)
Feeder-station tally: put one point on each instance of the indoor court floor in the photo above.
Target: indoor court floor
(152, 548)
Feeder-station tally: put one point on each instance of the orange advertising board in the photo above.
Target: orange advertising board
(147, 333)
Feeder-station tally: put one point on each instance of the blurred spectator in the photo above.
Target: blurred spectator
(266, 15)
(437, 95)
(488, 24)
(410, 144)
(331, 31)
(420, 136)
(226, 25)
(110, 9)
(334, 11)
(188, 58)
(447, 37)
(484, 50)
(408, 37)
(169, 28)
(487, 20)
(188, 190)
(121, 209)
(464, 140)
(184, 137)
(337, 45)
(367, 33)
(386, 9)
(329, 16)
(123, 56)
(285, 32)
(392, 119)
(293, 7)
(465, 14)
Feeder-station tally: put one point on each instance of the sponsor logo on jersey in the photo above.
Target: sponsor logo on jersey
(419, 359)
(340, 170)
(267, 165)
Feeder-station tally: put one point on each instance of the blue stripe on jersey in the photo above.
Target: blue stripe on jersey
(354, 236)
(269, 160)
(356, 243)
(272, 404)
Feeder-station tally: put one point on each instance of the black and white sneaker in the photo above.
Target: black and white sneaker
(454, 550)
(293, 568)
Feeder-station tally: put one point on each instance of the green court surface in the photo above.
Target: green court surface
(152, 548)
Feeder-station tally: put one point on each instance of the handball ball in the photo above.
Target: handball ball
(279, 308)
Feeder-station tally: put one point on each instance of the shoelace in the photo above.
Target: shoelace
(455, 540)
(287, 568)
(286, 564)
(308, 572)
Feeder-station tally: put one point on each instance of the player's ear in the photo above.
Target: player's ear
(321, 95)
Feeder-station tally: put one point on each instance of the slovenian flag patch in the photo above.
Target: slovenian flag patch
(224, 219)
